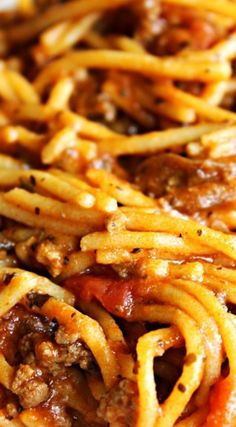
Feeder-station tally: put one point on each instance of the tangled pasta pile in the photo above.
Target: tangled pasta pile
(118, 213)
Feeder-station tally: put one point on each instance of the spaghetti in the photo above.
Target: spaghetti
(117, 213)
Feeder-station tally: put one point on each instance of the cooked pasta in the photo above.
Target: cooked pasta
(118, 213)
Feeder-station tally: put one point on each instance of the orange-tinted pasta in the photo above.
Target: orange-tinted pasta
(117, 213)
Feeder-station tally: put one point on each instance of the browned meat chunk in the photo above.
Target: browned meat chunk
(30, 388)
(184, 28)
(52, 250)
(18, 330)
(148, 25)
(50, 354)
(159, 174)
(118, 406)
(203, 196)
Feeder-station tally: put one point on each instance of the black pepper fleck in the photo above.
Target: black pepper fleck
(6, 278)
(181, 387)
(66, 260)
(32, 180)
(136, 250)
(34, 247)
(37, 210)
(159, 101)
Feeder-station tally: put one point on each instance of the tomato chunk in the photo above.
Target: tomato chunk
(116, 295)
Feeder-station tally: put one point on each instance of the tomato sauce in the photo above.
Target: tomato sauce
(117, 295)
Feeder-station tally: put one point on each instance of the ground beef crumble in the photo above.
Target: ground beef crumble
(29, 385)
(118, 407)
(50, 354)
(46, 363)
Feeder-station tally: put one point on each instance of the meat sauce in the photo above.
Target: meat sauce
(169, 29)
(206, 183)
(185, 28)
(47, 372)
(16, 325)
